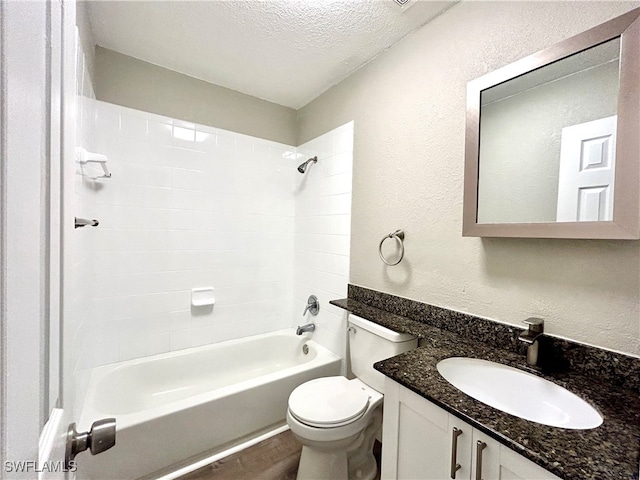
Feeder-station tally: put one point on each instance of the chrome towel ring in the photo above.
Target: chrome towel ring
(399, 236)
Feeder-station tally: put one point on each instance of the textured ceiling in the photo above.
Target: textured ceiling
(284, 51)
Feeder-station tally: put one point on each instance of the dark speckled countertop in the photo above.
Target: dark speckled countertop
(610, 451)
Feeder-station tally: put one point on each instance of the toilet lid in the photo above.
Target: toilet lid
(328, 401)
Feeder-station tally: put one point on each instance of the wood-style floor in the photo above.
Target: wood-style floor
(276, 458)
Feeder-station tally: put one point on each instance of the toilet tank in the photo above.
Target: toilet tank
(369, 343)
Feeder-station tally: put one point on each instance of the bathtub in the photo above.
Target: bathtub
(174, 409)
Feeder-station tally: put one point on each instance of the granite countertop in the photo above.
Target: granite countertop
(610, 451)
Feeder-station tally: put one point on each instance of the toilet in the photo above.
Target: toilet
(337, 419)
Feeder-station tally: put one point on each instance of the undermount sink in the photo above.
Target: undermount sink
(519, 393)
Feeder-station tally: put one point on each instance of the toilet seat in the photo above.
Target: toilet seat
(329, 402)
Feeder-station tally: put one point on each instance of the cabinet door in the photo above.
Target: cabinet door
(501, 463)
(516, 467)
(485, 457)
(417, 444)
(460, 437)
(415, 437)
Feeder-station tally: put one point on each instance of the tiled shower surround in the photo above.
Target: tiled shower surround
(191, 206)
(322, 238)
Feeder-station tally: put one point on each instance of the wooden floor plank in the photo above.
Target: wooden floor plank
(276, 458)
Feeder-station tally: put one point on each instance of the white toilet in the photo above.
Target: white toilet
(337, 419)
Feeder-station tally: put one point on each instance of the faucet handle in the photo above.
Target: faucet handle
(535, 324)
(313, 306)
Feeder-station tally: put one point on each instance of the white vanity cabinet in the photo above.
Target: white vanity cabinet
(418, 441)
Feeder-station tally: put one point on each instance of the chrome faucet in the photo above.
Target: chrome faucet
(530, 336)
(313, 306)
(309, 327)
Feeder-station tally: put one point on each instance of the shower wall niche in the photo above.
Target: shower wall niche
(192, 206)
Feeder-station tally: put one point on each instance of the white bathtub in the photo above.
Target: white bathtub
(179, 407)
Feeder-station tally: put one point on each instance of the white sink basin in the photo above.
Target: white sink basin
(519, 393)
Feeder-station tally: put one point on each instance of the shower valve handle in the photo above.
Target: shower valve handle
(313, 306)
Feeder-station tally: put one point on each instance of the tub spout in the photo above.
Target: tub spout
(309, 327)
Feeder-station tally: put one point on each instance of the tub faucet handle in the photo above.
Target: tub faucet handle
(313, 306)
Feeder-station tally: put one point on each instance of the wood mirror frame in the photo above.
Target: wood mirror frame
(626, 198)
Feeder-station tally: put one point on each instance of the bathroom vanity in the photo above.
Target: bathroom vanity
(427, 404)
(422, 409)
(422, 440)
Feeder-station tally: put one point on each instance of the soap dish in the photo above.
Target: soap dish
(202, 297)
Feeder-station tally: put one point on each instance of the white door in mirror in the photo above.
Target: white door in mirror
(587, 171)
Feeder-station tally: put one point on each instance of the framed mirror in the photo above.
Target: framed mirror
(553, 140)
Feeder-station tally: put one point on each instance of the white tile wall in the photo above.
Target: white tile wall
(187, 206)
(191, 206)
(80, 247)
(322, 233)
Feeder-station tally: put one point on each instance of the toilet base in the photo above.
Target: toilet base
(320, 465)
(349, 460)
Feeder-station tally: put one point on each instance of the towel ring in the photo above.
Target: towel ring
(399, 236)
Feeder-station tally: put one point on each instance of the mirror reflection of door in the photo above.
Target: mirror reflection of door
(587, 171)
(523, 124)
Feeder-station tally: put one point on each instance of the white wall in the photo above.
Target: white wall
(323, 232)
(218, 209)
(80, 245)
(409, 111)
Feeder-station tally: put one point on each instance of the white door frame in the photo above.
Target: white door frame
(25, 228)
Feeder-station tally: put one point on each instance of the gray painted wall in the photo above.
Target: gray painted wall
(130, 82)
(409, 111)
(86, 38)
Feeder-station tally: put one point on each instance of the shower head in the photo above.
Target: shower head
(302, 168)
